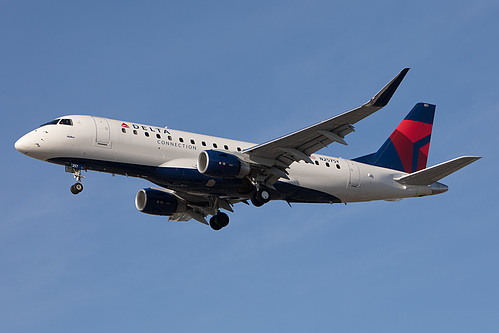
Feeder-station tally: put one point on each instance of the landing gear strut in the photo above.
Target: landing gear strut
(219, 221)
(260, 197)
(78, 187)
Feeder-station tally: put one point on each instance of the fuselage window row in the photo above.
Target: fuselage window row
(203, 143)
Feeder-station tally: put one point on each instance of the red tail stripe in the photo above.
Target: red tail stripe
(414, 130)
(404, 148)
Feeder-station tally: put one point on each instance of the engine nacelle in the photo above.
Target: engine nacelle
(216, 163)
(156, 202)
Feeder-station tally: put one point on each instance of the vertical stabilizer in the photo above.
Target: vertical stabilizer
(407, 147)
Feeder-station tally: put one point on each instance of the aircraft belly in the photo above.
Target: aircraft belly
(191, 181)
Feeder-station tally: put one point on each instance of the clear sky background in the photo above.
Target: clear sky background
(249, 70)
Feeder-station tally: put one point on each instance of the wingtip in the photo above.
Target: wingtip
(384, 95)
(472, 158)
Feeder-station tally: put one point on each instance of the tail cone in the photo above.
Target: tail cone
(437, 188)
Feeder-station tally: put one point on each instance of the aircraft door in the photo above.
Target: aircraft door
(103, 133)
(354, 174)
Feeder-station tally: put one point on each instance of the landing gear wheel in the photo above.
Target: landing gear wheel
(219, 221)
(213, 223)
(255, 201)
(222, 219)
(260, 197)
(76, 188)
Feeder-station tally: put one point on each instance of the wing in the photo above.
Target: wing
(301, 144)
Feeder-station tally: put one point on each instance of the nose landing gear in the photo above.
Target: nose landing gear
(78, 187)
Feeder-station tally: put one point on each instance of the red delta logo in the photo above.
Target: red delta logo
(412, 142)
(125, 125)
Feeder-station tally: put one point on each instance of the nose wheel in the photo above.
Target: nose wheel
(76, 188)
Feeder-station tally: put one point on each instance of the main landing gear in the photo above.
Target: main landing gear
(260, 197)
(78, 187)
(219, 221)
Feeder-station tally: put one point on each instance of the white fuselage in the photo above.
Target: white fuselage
(123, 147)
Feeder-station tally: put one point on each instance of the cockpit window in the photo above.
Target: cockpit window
(53, 122)
(66, 122)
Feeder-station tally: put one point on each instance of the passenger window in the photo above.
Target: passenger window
(238, 148)
(226, 147)
(146, 134)
(327, 164)
(316, 162)
(180, 139)
(123, 130)
(203, 143)
(193, 142)
(135, 132)
(170, 137)
(158, 136)
(215, 145)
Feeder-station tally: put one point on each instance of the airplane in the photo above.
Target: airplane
(199, 175)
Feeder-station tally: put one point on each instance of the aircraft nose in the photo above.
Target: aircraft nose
(21, 145)
(34, 145)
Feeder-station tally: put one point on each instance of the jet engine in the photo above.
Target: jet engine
(156, 202)
(216, 163)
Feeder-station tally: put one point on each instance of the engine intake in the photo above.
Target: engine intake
(156, 202)
(216, 163)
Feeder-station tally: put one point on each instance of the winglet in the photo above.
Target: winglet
(382, 98)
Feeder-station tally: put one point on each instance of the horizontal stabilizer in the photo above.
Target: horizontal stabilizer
(435, 173)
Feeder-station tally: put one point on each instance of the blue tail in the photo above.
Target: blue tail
(407, 148)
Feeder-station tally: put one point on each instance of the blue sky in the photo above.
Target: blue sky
(251, 71)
